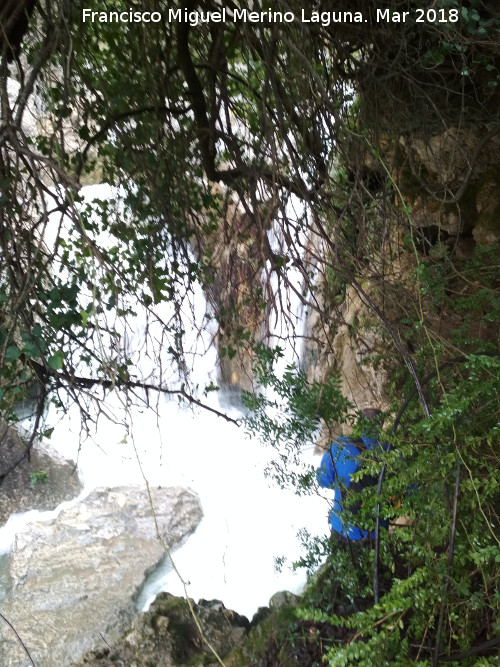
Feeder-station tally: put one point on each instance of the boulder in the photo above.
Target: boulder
(283, 599)
(42, 482)
(73, 579)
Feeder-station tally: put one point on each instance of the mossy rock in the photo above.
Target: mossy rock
(168, 635)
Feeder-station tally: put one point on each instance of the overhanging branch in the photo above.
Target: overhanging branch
(75, 381)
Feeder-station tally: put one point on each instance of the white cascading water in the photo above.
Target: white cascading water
(248, 521)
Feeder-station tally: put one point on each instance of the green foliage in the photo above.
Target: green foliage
(461, 438)
(38, 477)
(285, 413)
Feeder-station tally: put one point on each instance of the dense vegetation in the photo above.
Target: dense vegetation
(242, 155)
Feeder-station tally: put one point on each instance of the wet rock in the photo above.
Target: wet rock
(72, 580)
(42, 482)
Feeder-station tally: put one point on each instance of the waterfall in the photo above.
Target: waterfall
(248, 522)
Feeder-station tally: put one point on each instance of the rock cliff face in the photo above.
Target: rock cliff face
(442, 207)
(421, 202)
(233, 250)
(73, 579)
(42, 482)
(351, 347)
(450, 181)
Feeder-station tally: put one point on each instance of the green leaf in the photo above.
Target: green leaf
(12, 353)
(85, 316)
(31, 350)
(56, 360)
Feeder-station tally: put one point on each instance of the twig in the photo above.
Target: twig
(18, 638)
(374, 625)
(87, 383)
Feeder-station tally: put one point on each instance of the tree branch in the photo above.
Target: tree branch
(118, 383)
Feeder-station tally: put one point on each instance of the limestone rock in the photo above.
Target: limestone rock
(73, 579)
(168, 635)
(41, 483)
(449, 157)
(236, 247)
(362, 353)
(356, 348)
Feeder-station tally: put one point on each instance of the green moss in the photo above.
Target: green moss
(166, 604)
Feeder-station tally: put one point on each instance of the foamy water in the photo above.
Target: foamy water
(248, 522)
